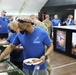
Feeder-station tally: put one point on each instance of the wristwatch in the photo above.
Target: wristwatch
(45, 57)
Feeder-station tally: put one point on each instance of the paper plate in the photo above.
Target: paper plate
(32, 61)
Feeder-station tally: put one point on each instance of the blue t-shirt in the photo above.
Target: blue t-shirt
(4, 23)
(34, 45)
(55, 22)
(21, 57)
(71, 23)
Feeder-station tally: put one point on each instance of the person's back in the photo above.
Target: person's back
(42, 25)
(48, 23)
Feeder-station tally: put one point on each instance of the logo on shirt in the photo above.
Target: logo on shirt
(36, 40)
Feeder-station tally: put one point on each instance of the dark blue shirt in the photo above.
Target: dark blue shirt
(55, 22)
(21, 57)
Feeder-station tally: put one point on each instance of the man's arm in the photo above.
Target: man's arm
(7, 51)
(48, 52)
(4, 42)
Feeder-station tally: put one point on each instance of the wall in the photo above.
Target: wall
(59, 2)
(63, 8)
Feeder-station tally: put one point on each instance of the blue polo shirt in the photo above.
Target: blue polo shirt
(72, 22)
(34, 45)
(21, 57)
(55, 22)
(4, 23)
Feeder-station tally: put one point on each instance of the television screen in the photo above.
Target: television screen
(73, 51)
(61, 40)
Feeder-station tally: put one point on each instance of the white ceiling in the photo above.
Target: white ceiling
(12, 7)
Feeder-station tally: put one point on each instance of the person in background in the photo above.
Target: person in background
(48, 23)
(11, 18)
(16, 56)
(49, 26)
(70, 21)
(33, 40)
(43, 25)
(4, 25)
(56, 22)
(38, 23)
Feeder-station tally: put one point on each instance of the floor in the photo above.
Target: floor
(62, 64)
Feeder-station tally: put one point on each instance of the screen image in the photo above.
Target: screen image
(61, 40)
(73, 51)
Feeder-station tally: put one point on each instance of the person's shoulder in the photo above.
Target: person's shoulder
(12, 34)
(18, 34)
(6, 18)
(53, 20)
(40, 23)
(41, 30)
(67, 20)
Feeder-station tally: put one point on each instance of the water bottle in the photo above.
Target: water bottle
(36, 69)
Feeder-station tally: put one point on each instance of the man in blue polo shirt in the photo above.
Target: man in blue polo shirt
(33, 39)
(56, 21)
(4, 25)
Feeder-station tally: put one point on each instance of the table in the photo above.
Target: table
(64, 40)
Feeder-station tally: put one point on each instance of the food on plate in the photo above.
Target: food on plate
(36, 60)
(32, 61)
(28, 62)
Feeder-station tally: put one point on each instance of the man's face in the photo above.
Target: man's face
(24, 27)
(56, 16)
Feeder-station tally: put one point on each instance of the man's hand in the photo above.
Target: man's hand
(19, 47)
(43, 59)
